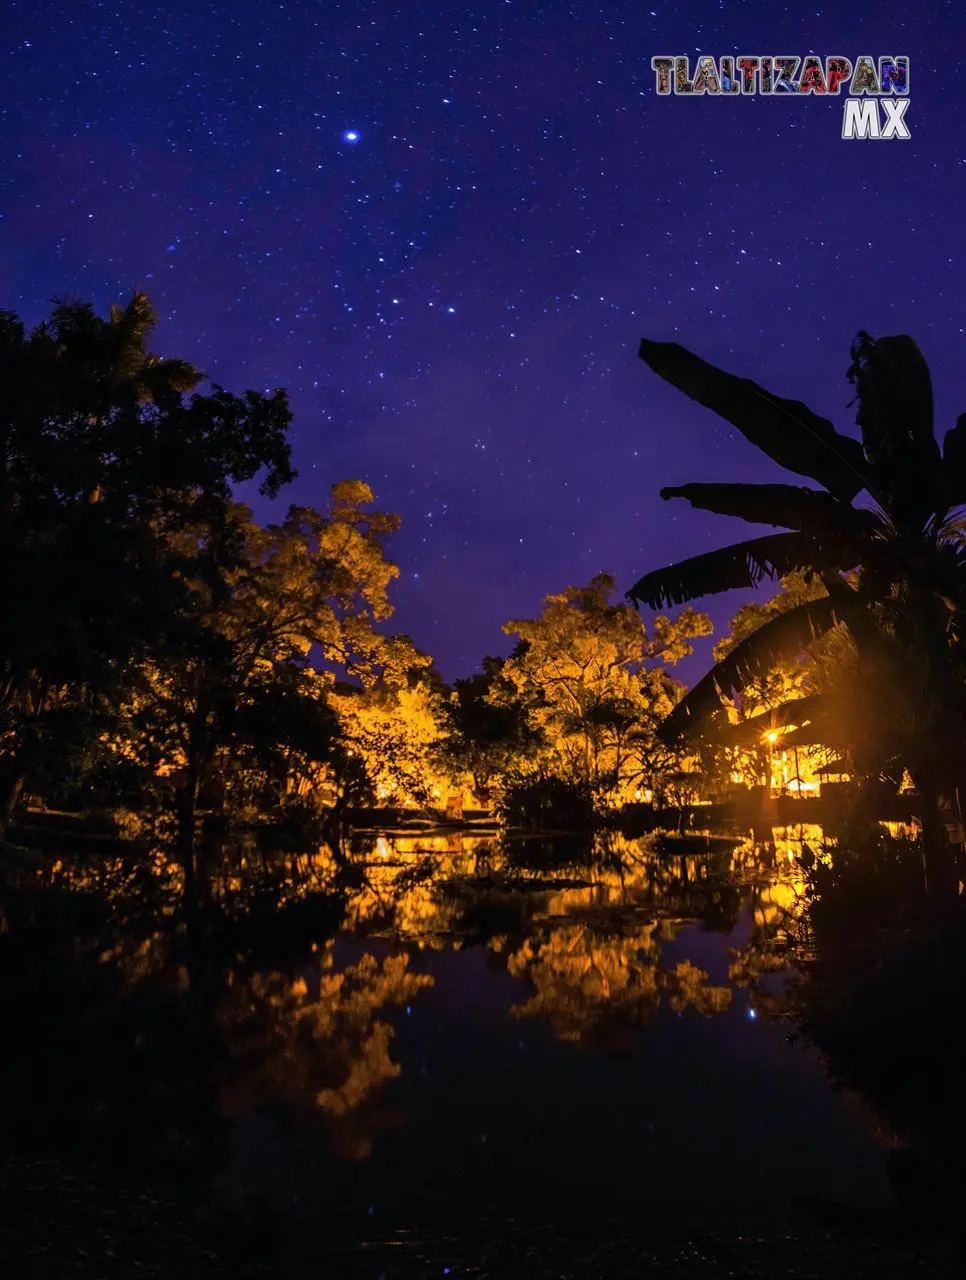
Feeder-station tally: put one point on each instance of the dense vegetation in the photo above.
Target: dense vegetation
(199, 710)
(172, 665)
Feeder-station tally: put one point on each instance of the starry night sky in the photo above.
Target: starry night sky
(444, 229)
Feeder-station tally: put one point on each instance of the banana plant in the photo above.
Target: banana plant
(882, 530)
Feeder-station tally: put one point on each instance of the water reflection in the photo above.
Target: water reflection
(597, 988)
(580, 930)
(420, 890)
(317, 1044)
(418, 1003)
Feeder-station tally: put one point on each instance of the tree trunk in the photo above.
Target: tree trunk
(333, 831)
(187, 812)
(11, 789)
(187, 855)
(939, 860)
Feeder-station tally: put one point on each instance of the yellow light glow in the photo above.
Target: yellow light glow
(772, 737)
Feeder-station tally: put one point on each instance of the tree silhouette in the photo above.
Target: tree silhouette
(105, 459)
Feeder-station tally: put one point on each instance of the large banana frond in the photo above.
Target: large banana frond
(744, 564)
(783, 637)
(787, 506)
(954, 463)
(786, 430)
(894, 394)
(811, 709)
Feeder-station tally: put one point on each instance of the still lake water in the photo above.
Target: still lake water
(504, 1031)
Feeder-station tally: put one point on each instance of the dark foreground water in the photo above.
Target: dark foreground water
(453, 1041)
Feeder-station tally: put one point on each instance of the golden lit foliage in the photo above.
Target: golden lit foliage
(315, 1042)
(593, 986)
(596, 684)
(241, 696)
(393, 725)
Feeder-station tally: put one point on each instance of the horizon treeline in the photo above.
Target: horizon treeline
(165, 658)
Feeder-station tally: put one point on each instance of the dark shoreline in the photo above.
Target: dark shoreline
(63, 1221)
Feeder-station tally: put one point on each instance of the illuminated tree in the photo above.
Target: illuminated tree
(595, 685)
(392, 724)
(487, 732)
(262, 600)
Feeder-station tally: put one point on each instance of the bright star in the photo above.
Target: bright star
(350, 135)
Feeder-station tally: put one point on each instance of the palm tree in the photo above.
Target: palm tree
(892, 566)
(109, 360)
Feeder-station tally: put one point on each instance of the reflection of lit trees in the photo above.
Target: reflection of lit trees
(116, 880)
(321, 1050)
(592, 988)
(776, 905)
(119, 904)
(437, 891)
(398, 889)
(584, 936)
(587, 986)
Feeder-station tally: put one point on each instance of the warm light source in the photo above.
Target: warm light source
(772, 737)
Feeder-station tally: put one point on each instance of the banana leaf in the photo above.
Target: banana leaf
(744, 564)
(786, 430)
(787, 506)
(954, 464)
(785, 636)
(895, 414)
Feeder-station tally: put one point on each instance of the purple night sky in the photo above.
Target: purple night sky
(444, 229)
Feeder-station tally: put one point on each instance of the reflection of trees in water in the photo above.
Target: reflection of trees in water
(583, 924)
(315, 1044)
(594, 989)
(435, 892)
(773, 889)
(584, 928)
(168, 1046)
(281, 1024)
(877, 988)
(883, 996)
(168, 1038)
(398, 892)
